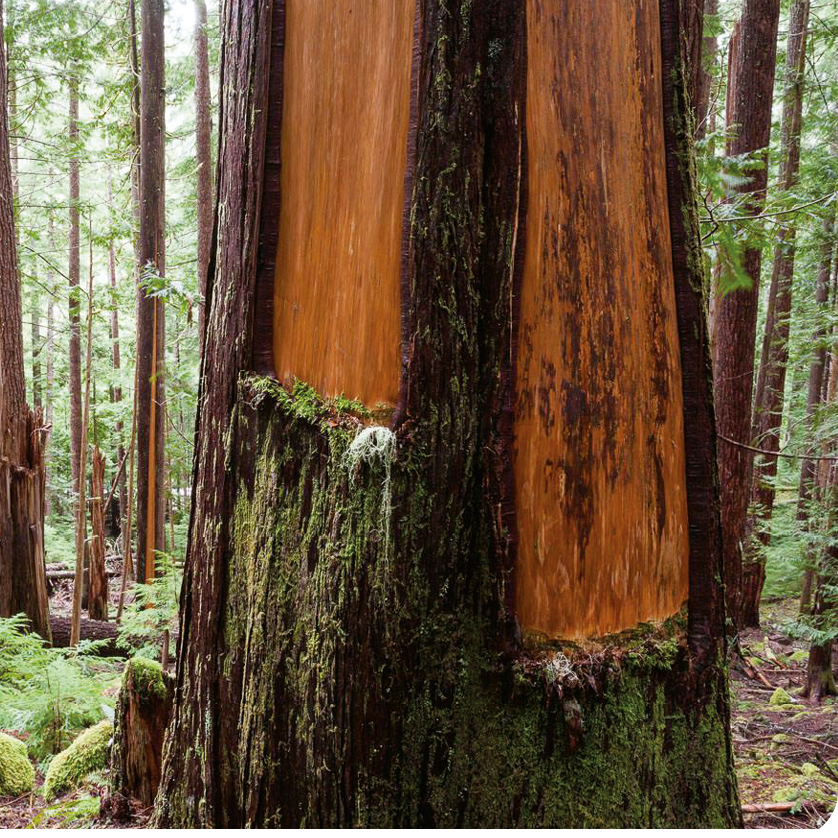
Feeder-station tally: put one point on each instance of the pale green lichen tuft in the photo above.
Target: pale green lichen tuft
(17, 775)
(87, 754)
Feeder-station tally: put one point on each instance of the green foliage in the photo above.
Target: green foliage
(51, 693)
(154, 609)
(17, 775)
(78, 813)
(87, 754)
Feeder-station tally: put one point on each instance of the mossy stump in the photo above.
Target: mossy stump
(16, 772)
(87, 754)
(142, 713)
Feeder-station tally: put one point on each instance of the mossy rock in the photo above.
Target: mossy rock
(17, 776)
(88, 753)
(780, 698)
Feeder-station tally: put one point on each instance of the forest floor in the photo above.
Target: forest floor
(786, 748)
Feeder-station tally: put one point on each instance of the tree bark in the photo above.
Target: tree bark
(22, 582)
(750, 96)
(79, 590)
(771, 381)
(150, 309)
(73, 273)
(376, 651)
(203, 152)
(97, 607)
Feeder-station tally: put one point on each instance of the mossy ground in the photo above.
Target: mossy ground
(87, 754)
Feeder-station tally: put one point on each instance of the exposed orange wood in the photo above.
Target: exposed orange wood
(346, 103)
(599, 464)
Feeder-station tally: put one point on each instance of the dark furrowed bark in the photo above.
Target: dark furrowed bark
(706, 605)
(22, 476)
(203, 154)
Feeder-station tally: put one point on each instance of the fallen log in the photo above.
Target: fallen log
(90, 630)
(53, 575)
(758, 808)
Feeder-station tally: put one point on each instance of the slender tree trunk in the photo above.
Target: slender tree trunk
(22, 580)
(204, 156)
(97, 608)
(771, 381)
(74, 371)
(751, 89)
(81, 507)
(37, 384)
(50, 380)
(150, 309)
(116, 390)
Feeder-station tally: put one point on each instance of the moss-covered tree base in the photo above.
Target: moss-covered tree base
(366, 682)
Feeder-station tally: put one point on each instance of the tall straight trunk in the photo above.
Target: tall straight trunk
(349, 599)
(50, 364)
(751, 91)
(116, 389)
(150, 309)
(814, 396)
(203, 152)
(73, 269)
(80, 585)
(97, 608)
(771, 381)
(37, 346)
(704, 84)
(22, 578)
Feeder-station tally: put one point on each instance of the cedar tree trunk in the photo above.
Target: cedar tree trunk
(203, 153)
(22, 582)
(771, 381)
(150, 309)
(97, 604)
(350, 650)
(750, 96)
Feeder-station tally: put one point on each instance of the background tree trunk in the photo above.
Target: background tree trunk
(355, 618)
(97, 607)
(203, 154)
(150, 309)
(22, 581)
(750, 96)
(705, 79)
(771, 381)
(73, 273)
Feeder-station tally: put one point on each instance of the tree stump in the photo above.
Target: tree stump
(142, 713)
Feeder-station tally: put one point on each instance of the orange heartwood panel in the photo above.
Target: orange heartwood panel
(599, 436)
(345, 114)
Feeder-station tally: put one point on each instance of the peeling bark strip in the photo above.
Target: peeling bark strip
(340, 666)
(706, 604)
(337, 306)
(599, 436)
